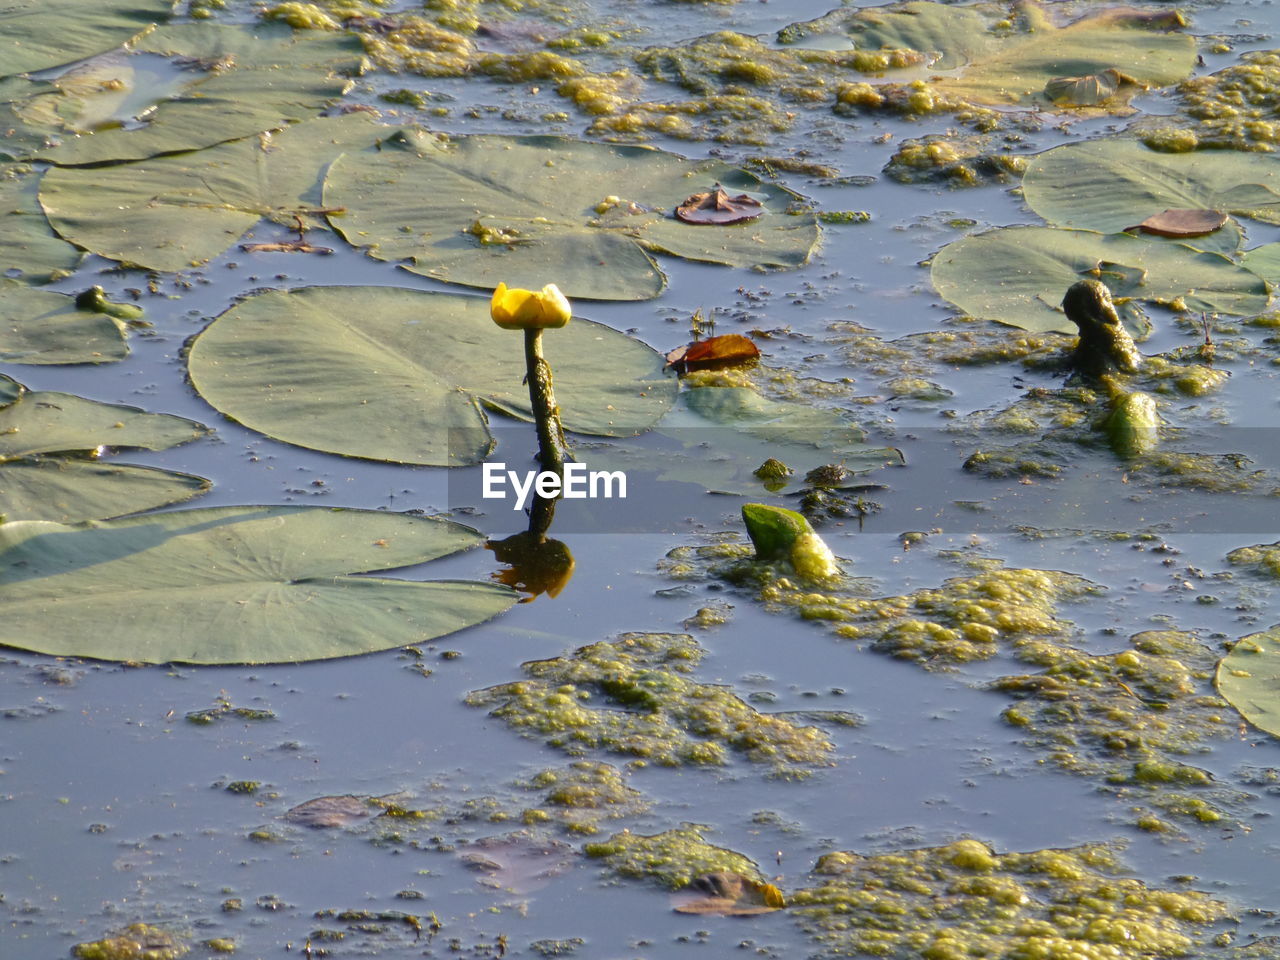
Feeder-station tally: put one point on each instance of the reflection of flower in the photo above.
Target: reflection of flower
(516, 309)
(537, 564)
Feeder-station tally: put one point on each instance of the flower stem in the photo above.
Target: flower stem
(552, 447)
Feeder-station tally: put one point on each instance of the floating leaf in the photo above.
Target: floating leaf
(1249, 678)
(517, 863)
(38, 34)
(40, 326)
(29, 249)
(1092, 90)
(243, 80)
(1109, 185)
(68, 491)
(717, 207)
(727, 894)
(526, 211)
(169, 213)
(232, 585)
(326, 812)
(1182, 223)
(403, 375)
(1264, 261)
(726, 350)
(34, 486)
(44, 421)
(1018, 275)
(1011, 64)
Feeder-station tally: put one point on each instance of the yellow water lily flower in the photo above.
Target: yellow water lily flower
(516, 309)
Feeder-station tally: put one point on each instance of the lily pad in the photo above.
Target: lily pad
(239, 80)
(1249, 678)
(68, 491)
(36, 486)
(387, 373)
(1011, 63)
(1264, 261)
(253, 584)
(1110, 185)
(1018, 275)
(169, 213)
(29, 249)
(40, 326)
(38, 34)
(45, 421)
(481, 210)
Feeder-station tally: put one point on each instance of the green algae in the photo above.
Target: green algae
(582, 795)
(954, 161)
(1130, 719)
(1233, 109)
(672, 858)
(138, 941)
(634, 696)
(965, 619)
(1259, 558)
(965, 900)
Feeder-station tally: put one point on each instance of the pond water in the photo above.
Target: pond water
(118, 809)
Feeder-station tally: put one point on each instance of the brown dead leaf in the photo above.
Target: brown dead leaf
(1182, 223)
(728, 894)
(717, 207)
(722, 351)
(325, 812)
(291, 246)
(517, 862)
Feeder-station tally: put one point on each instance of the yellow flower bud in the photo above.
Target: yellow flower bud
(516, 309)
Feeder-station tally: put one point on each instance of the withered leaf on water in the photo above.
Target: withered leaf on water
(324, 812)
(1091, 90)
(292, 246)
(1182, 223)
(729, 895)
(724, 350)
(517, 862)
(717, 207)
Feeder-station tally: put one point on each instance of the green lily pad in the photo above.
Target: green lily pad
(38, 34)
(169, 213)
(44, 421)
(27, 245)
(1018, 275)
(40, 326)
(526, 211)
(69, 491)
(387, 373)
(69, 488)
(235, 81)
(1114, 185)
(1264, 261)
(997, 60)
(1249, 678)
(233, 585)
